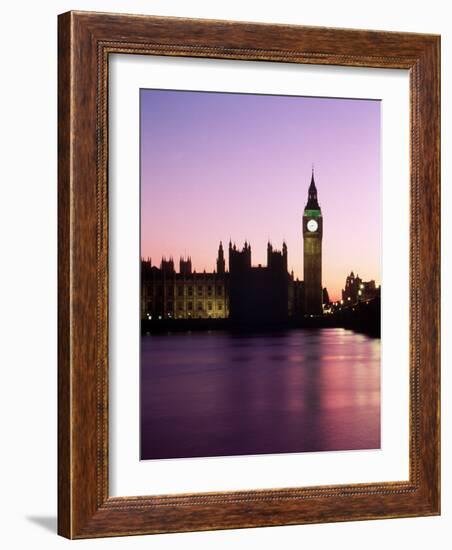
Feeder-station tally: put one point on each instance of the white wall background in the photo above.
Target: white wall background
(28, 282)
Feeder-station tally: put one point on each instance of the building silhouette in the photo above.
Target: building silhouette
(312, 252)
(356, 290)
(240, 291)
(261, 293)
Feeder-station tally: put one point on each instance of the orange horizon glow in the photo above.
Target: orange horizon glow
(216, 167)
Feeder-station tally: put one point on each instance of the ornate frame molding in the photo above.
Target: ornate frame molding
(85, 42)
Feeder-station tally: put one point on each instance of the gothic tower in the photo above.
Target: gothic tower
(312, 252)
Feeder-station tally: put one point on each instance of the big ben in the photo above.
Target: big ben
(312, 252)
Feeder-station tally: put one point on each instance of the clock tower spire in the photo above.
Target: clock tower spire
(312, 252)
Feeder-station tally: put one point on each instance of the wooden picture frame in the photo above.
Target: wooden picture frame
(85, 42)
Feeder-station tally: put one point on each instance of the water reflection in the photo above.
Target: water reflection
(220, 394)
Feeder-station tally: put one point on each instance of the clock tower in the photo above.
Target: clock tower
(312, 252)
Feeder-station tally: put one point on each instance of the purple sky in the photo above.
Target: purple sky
(216, 166)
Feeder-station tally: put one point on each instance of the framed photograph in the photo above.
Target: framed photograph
(249, 259)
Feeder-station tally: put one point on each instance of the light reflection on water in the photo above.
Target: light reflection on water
(221, 394)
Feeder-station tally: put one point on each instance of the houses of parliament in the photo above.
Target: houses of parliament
(240, 291)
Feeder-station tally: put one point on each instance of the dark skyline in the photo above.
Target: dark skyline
(218, 166)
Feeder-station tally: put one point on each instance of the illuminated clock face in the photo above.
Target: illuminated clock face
(312, 226)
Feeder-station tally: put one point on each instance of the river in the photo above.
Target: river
(221, 394)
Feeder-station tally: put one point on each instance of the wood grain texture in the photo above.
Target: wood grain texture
(85, 42)
(64, 296)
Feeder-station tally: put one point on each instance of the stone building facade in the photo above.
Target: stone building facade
(244, 293)
(167, 294)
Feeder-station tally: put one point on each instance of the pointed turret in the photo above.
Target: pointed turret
(269, 253)
(312, 203)
(220, 259)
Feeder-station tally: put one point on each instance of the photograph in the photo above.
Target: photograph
(260, 274)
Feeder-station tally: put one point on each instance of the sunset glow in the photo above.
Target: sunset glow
(221, 166)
